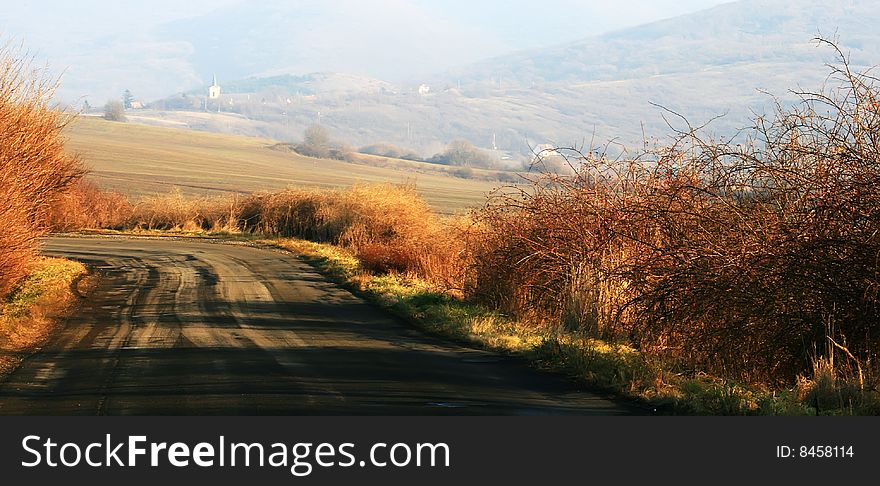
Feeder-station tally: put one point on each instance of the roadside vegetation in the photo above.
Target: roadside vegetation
(706, 276)
(35, 174)
(701, 277)
(34, 167)
(33, 307)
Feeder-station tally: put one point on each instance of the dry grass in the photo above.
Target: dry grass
(30, 312)
(174, 212)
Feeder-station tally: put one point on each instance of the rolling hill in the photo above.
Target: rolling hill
(724, 60)
(142, 160)
(746, 32)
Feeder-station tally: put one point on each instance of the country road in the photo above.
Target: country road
(191, 327)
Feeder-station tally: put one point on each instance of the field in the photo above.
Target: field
(141, 160)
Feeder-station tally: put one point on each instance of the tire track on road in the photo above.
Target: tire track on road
(183, 326)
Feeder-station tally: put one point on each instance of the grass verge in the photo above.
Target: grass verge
(614, 368)
(30, 312)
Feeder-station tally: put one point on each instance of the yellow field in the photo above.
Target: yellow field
(140, 160)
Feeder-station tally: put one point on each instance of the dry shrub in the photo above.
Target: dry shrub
(86, 206)
(719, 257)
(34, 168)
(176, 212)
(389, 227)
(290, 213)
(838, 381)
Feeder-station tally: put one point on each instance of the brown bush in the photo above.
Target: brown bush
(85, 206)
(719, 257)
(291, 213)
(176, 212)
(115, 111)
(389, 227)
(34, 168)
(394, 222)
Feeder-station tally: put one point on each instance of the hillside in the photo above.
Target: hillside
(141, 160)
(746, 32)
(718, 61)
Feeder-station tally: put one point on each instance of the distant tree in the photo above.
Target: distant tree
(317, 136)
(316, 142)
(463, 153)
(127, 99)
(464, 172)
(114, 111)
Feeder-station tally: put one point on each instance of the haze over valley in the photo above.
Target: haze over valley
(420, 75)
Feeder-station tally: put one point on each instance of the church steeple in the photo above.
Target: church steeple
(214, 89)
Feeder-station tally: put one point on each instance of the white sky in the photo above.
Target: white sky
(104, 45)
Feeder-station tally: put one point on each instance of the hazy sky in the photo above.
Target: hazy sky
(158, 47)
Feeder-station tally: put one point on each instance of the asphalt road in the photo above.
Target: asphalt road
(190, 327)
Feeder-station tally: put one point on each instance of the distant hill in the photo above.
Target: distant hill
(713, 62)
(737, 33)
(309, 84)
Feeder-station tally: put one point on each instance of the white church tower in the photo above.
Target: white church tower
(214, 90)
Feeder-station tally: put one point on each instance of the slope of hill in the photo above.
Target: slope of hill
(718, 61)
(310, 84)
(141, 160)
(742, 32)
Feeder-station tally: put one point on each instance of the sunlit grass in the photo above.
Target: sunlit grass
(48, 282)
(31, 310)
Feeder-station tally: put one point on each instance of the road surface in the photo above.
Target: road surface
(191, 327)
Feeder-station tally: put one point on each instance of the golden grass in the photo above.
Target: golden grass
(33, 308)
(143, 161)
(427, 167)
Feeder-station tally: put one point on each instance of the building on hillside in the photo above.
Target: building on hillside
(544, 150)
(214, 90)
(424, 89)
